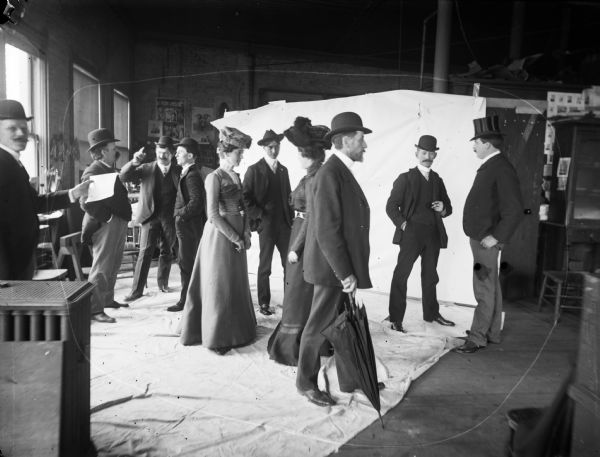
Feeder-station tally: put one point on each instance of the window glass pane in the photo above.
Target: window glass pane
(86, 113)
(18, 87)
(121, 119)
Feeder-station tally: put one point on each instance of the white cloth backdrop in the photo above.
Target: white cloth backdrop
(398, 119)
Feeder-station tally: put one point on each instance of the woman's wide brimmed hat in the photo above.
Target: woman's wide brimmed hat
(427, 143)
(486, 127)
(346, 122)
(12, 109)
(232, 138)
(304, 134)
(269, 136)
(100, 137)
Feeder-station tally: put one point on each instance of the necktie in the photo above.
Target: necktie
(274, 167)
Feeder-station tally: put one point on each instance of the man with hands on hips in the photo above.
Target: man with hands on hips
(492, 213)
(417, 203)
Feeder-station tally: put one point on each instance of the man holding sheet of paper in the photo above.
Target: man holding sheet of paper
(19, 201)
(107, 212)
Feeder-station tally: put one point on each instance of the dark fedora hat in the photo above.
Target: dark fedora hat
(428, 143)
(486, 127)
(269, 136)
(12, 109)
(165, 142)
(99, 137)
(190, 144)
(346, 122)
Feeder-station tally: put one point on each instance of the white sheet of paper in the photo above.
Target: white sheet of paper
(101, 187)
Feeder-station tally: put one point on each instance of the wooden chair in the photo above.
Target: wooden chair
(560, 289)
(70, 246)
(132, 244)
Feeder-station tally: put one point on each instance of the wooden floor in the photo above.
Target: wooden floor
(457, 408)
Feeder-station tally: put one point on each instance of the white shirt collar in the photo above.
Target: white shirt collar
(344, 158)
(186, 166)
(493, 154)
(271, 161)
(163, 168)
(424, 170)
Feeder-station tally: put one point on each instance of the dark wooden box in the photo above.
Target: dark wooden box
(42, 325)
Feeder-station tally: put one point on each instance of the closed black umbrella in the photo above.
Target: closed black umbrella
(354, 356)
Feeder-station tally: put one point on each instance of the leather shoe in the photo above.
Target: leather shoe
(264, 309)
(221, 351)
(103, 317)
(468, 348)
(398, 327)
(176, 307)
(317, 397)
(440, 320)
(164, 289)
(133, 296)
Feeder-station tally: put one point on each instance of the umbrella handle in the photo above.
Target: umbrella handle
(352, 303)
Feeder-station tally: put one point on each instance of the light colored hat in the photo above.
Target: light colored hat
(232, 138)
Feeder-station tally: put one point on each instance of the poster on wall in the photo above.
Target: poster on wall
(154, 128)
(170, 111)
(202, 129)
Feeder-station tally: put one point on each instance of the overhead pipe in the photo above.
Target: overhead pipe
(516, 30)
(423, 40)
(442, 46)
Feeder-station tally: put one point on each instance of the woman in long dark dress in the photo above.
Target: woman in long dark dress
(284, 343)
(218, 310)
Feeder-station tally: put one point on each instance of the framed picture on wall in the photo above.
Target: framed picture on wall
(155, 128)
(171, 112)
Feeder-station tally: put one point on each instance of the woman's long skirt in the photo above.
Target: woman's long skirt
(218, 310)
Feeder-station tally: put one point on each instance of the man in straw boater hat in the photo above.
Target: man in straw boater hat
(417, 203)
(158, 190)
(492, 212)
(19, 201)
(266, 195)
(336, 251)
(104, 225)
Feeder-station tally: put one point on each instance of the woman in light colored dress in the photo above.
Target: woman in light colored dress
(218, 311)
(284, 343)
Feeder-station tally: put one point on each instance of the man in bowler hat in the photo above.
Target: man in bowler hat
(158, 190)
(336, 252)
(416, 206)
(492, 212)
(19, 201)
(266, 196)
(190, 211)
(104, 225)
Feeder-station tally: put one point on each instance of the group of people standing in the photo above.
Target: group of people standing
(321, 231)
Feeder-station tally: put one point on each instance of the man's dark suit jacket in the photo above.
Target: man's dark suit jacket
(19, 225)
(256, 198)
(337, 238)
(191, 196)
(146, 173)
(493, 206)
(401, 204)
(102, 210)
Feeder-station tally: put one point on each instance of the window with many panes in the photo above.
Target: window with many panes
(24, 79)
(121, 126)
(86, 113)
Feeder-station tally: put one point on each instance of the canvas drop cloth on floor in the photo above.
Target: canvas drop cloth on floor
(151, 396)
